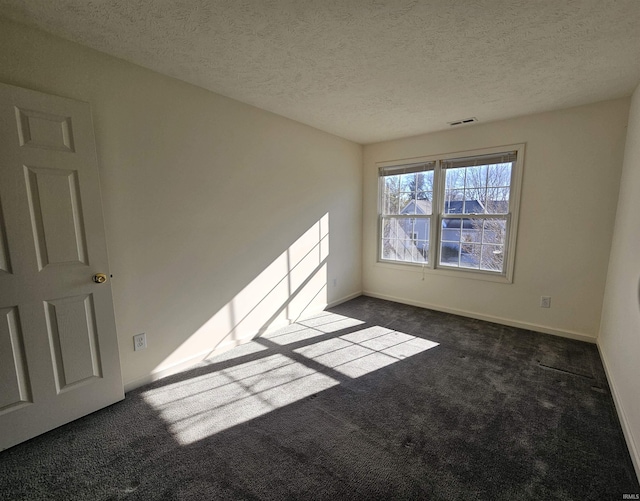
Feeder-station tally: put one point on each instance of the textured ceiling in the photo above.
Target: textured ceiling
(369, 70)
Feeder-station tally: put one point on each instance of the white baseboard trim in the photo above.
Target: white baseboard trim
(192, 360)
(634, 450)
(179, 366)
(344, 299)
(488, 318)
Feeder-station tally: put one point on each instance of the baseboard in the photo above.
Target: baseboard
(488, 318)
(344, 299)
(634, 450)
(192, 360)
(179, 366)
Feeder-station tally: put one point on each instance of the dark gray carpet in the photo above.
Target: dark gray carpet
(370, 400)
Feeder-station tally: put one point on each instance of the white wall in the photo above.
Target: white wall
(619, 339)
(572, 168)
(209, 203)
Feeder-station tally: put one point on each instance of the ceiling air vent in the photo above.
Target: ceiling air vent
(464, 121)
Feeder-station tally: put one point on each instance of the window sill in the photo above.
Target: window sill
(455, 273)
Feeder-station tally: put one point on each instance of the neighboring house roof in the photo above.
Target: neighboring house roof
(457, 206)
(475, 206)
(417, 207)
(455, 223)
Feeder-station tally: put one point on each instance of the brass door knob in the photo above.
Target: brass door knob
(99, 278)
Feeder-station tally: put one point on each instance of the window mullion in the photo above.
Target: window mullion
(437, 206)
(507, 236)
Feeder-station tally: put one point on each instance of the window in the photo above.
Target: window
(452, 212)
(406, 213)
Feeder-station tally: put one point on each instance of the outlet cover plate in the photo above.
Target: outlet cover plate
(139, 342)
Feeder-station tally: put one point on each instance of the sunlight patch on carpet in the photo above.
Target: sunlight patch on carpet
(201, 406)
(316, 326)
(232, 396)
(365, 351)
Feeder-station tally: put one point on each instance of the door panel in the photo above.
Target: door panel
(74, 344)
(58, 346)
(56, 216)
(5, 265)
(14, 378)
(44, 130)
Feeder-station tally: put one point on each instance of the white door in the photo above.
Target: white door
(58, 346)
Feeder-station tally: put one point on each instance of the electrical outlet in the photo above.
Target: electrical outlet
(335, 282)
(139, 342)
(545, 301)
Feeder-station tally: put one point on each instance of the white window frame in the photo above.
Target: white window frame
(438, 205)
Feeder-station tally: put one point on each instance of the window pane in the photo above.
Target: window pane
(390, 199)
(417, 254)
(392, 183)
(473, 201)
(423, 206)
(389, 228)
(422, 247)
(453, 201)
(484, 189)
(451, 230)
(407, 203)
(472, 235)
(424, 202)
(497, 200)
(494, 231)
(388, 248)
(492, 257)
(421, 229)
(454, 178)
(397, 250)
(470, 255)
(476, 177)
(424, 182)
(390, 203)
(450, 254)
(403, 250)
(405, 239)
(408, 193)
(473, 243)
(408, 182)
(499, 175)
(405, 229)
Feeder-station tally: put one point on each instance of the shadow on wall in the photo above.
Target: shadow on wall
(292, 285)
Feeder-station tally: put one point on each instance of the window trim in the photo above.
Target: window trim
(437, 214)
